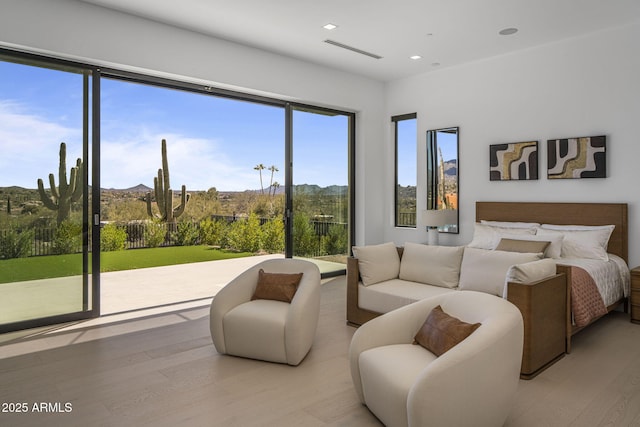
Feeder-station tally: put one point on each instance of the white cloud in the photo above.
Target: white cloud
(195, 162)
(30, 146)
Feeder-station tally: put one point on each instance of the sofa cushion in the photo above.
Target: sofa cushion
(441, 332)
(392, 294)
(432, 265)
(485, 271)
(377, 263)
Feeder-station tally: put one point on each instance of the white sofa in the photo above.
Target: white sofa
(472, 384)
(382, 278)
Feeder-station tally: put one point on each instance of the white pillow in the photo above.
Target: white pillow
(577, 227)
(587, 243)
(510, 224)
(485, 271)
(432, 265)
(555, 242)
(377, 263)
(531, 271)
(487, 236)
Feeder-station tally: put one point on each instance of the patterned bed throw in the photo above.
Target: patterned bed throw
(586, 302)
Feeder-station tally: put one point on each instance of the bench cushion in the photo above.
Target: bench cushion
(391, 294)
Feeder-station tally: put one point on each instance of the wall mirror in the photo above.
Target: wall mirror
(442, 175)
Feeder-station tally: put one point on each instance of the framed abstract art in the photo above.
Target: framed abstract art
(513, 161)
(571, 158)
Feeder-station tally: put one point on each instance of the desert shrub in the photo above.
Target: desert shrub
(245, 235)
(304, 236)
(336, 240)
(67, 238)
(15, 244)
(154, 233)
(113, 238)
(213, 232)
(273, 236)
(186, 234)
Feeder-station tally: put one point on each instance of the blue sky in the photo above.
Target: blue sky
(212, 142)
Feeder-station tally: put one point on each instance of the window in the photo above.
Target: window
(405, 134)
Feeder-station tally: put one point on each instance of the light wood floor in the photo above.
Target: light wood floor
(163, 370)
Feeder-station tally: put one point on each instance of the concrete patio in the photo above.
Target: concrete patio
(129, 293)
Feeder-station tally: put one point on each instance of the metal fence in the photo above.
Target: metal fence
(44, 237)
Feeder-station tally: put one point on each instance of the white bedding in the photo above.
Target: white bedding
(612, 277)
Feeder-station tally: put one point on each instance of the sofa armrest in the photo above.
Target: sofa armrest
(357, 316)
(543, 305)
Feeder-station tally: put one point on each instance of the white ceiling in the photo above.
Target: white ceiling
(446, 32)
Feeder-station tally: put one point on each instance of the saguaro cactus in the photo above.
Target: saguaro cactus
(66, 193)
(164, 193)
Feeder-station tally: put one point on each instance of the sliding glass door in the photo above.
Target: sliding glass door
(45, 232)
(84, 183)
(321, 186)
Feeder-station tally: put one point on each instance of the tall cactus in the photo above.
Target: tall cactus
(66, 193)
(164, 193)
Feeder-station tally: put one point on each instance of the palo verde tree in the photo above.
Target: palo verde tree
(164, 193)
(66, 193)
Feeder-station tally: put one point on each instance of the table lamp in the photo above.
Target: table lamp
(433, 219)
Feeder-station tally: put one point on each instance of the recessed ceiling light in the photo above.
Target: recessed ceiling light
(330, 26)
(415, 57)
(508, 31)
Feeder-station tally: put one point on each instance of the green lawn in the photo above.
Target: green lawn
(44, 267)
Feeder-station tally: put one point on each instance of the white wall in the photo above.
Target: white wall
(76, 30)
(580, 87)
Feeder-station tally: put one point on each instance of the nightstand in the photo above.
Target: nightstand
(634, 297)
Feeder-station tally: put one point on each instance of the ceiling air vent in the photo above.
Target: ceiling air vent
(353, 49)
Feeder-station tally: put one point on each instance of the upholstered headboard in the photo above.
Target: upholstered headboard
(564, 213)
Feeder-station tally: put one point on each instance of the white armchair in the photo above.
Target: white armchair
(472, 384)
(263, 329)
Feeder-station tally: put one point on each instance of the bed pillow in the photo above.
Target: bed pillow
(555, 242)
(523, 246)
(577, 227)
(441, 332)
(510, 224)
(582, 243)
(487, 236)
(432, 265)
(276, 286)
(377, 263)
(485, 271)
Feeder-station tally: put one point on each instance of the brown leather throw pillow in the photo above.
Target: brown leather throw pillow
(276, 286)
(440, 332)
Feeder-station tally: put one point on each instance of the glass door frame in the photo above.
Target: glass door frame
(90, 242)
(289, 108)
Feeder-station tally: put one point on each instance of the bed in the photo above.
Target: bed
(590, 214)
